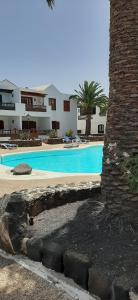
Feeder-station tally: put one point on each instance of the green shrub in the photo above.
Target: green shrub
(69, 133)
(131, 170)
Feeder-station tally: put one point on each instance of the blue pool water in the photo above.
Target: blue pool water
(88, 160)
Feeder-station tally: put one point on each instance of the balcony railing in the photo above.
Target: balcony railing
(40, 108)
(7, 106)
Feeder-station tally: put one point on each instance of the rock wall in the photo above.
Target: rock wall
(15, 208)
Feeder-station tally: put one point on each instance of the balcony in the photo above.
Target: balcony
(7, 106)
(40, 108)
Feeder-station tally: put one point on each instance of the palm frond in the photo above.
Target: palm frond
(90, 95)
(50, 3)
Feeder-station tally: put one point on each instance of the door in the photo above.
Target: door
(100, 128)
(28, 125)
(0, 100)
(1, 124)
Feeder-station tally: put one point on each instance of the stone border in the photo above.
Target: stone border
(54, 141)
(41, 199)
(26, 143)
(76, 266)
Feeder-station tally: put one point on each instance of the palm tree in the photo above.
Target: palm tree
(121, 138)
(88, 97)
(50, 3)
(121, 141)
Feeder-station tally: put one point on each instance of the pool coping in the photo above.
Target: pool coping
(5, 171)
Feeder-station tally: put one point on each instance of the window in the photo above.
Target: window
(52, 103)
(66, 105)
(79, 131)
(0, 99)
(1, 124)
(28, 125)
(94, 110)
(101, 128)
(55, 125)
(27, 100)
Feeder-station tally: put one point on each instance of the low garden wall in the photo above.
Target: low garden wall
(26, 143)
(54, 141)
(15, 207)
(93, 138)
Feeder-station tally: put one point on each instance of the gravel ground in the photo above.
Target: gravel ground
(19, 283)
(72, 226)
(50, 220)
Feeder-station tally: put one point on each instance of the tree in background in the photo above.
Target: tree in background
(50, 3)
(88, 97)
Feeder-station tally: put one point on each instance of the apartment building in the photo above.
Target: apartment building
(98, 122)
(42, 108)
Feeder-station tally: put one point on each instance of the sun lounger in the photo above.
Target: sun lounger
(78, 140)
(67, 139)
(72, 145)
(8, 146)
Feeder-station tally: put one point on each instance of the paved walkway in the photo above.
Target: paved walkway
(21, 278)
(18, 283)
(9, 186)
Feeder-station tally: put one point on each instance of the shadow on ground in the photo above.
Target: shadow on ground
(113, 252)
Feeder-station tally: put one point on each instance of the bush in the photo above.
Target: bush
(24, 135)
(131, 170)
(53, 134)
(69, 133)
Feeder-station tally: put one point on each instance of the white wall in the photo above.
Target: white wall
(11, 122)
(17, 96)
(43, 123)
(96, 120)
(68, 120)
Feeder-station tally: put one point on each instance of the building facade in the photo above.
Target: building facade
(98, 122)
(42, 108)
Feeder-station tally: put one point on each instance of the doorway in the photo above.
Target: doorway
(0, 100)
(28, 125)
(100, 128)
(1, 124)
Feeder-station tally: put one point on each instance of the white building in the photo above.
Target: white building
(98, 122)
(63, 111)
(42, 108)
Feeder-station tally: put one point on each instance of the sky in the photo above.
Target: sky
(63, 46)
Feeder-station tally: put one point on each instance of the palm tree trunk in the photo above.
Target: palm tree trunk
(88, 125)
(122, 119)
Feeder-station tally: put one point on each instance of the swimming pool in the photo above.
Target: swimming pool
(86, 160)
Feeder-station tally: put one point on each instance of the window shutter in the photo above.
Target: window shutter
(66, 105)
(55, 125)
(52, 103)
